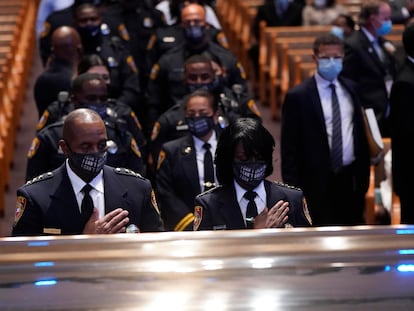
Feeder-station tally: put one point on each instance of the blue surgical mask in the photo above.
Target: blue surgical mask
(338, 31)
(329, 68)
(385, 28)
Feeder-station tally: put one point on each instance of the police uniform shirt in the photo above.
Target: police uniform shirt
(347, 113)
(97, 193)
(200, 151)
(260, 199)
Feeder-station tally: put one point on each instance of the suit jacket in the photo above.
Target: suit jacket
(177, 183)
(305, 148)
(47, 203)
(402, 129)
(218, 209)
(362, 64)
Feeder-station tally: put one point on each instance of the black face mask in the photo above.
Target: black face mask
(195, 34)
(213, 86)
(249, 174)
(87, 165)
(90, 36)
(99, 108)
(200, 126)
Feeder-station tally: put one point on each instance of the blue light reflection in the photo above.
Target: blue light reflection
(44, 264)
(45, 282)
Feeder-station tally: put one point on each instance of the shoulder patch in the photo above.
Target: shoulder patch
(242, 72)
(154, 202)
(198, 216)
(151, 42)
(135, 148)
(123, 32)
(42, 121)
(128, 172)
(222, 39)
(134, 117)
(45, 30)
(33, 148)
(286, 185)
(155, 130)
(161, 158)
(20, 208)
(131, 63)
(41, 177)
(154, 71)
(252, 106)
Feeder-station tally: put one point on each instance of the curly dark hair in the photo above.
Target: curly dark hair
(256, 140)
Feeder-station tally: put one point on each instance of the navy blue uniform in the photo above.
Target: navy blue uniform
(47, 204)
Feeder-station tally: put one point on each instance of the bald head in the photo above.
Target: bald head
(193, 13)
(80, 120)
(66, 44)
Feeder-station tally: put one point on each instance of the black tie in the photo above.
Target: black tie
(251, 211)
(208, 168)
(87, 203)
(336, 148)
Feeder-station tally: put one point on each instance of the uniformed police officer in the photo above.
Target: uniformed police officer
(84, 195)
(97, 39)
(89, 91)
(141, 20)
(200, 74)
(57, 77)
(55, 20)
(165, 86)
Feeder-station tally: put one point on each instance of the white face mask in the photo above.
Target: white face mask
(319, 3)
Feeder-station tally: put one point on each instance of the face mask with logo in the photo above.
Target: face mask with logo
(329, 68)
(338, 31)
(100, 108)
(200, 126)
(385, 28)
(249, 174)
(87, 165)
(195, 34)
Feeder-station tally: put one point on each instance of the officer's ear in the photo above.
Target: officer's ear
(64, 147)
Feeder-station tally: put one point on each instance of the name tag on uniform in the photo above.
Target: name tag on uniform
(168, 39)
(52, 230)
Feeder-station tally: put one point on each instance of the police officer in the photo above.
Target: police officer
(55, 20)
(141, 20)
(57, 77)
(97, 39)
(199, 73)
(89, 91)
(165, 86)
(83, 195)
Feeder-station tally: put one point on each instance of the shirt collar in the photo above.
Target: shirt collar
(260, 190)
(323, 82)
(198, 143)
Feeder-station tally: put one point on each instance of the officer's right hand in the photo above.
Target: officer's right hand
(113, 222)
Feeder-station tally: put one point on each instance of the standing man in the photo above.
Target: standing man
(370, 62)
(181, 173)
(84, 195)
(402, 129)
(324, 148)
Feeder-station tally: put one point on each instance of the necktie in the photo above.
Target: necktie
(87, 203)
(208, 168)
(336, 147)
(251, 211)
(378, 50)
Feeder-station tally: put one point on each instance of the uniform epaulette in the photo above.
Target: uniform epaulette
(128, 172)
(286, 185)
(40, 178)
